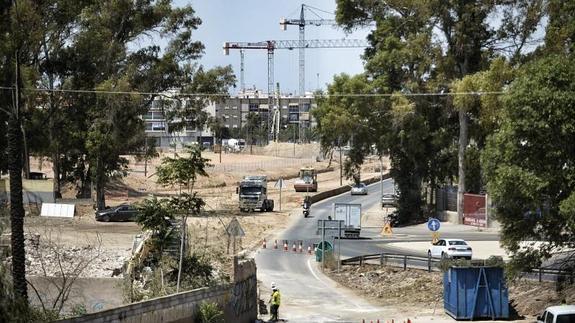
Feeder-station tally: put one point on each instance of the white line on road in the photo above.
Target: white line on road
(363, 308)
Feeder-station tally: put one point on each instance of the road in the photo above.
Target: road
(307, 295)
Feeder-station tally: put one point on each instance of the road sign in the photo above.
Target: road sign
(434, 237)
(433, 224)
(387, 229)
(234, 229)
(280, 184)
(332, 227)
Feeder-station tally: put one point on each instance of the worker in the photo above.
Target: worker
(275, 301)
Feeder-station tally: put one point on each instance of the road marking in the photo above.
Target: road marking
(363, 308)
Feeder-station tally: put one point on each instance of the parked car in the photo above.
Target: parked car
(122, 212)
(388, 199)
(450, 248)
(558, 314)
(359, 189)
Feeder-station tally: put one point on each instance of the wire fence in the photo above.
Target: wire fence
(261, 165)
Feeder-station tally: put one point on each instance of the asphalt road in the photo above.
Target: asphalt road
(307, 295)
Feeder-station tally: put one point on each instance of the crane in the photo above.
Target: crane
(302, 22)
(272, 45)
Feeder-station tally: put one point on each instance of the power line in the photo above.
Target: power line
(476, 93)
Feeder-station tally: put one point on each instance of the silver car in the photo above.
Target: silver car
(359, 189)
(389, 199)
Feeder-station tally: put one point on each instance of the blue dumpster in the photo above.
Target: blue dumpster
(318, 251)
(475, 292)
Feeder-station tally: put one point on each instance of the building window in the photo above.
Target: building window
(254, 107)
(226, 108)
(235, 126)
(294, 108)
(294, 117)
(234, 108)
(158, 126)
(305, 107)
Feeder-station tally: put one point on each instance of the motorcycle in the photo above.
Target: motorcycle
(306, 208)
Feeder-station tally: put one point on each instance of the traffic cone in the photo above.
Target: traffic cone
(264, 244)
(293, 247)
(275, 244)
(285, 246)
(300, 248)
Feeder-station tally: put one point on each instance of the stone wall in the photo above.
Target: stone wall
(238, 300)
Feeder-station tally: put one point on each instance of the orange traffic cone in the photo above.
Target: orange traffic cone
(275, 244)
(309, 249)
(293, 247)
(285, 246)
(300, 248)
(264, 244)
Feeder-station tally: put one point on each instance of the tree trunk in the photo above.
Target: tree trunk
(16, 200)
(461, 163)
(100, 186)
(56, 170)
(25, 155)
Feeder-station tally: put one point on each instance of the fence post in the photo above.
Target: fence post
(404, 262)
(361, 261)
(381, 258)
(428, 263)
(540, 273)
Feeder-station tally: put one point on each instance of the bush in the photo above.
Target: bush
(210, 313)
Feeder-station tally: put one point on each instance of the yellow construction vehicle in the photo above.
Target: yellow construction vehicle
(307, 181)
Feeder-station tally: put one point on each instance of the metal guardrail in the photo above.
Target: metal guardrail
(402, 260)
(431, 264)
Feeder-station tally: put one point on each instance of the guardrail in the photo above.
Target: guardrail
(432, 264)
(399, 260)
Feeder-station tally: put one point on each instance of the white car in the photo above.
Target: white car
(359, 189)
(450, 248)
(558, 314)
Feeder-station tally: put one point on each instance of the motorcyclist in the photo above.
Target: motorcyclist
(307, 202)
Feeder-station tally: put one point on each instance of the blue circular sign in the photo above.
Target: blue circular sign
(433, 224)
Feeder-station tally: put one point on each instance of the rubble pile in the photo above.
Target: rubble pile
(391, 285)
(49, 259)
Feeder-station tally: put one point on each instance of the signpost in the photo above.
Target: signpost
(280, 184)
(234, 230)
(331, 229)
(433, 225)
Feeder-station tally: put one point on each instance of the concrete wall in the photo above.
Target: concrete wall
(336, 191)
(238, 301)
(35, 190)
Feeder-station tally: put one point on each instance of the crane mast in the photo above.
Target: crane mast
(302, 22)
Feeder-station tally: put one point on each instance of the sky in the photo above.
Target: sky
(258, 20)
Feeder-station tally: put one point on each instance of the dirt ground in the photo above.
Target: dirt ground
(218, 191)
(391, 286)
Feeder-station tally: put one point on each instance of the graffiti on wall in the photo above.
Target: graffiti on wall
(244, 296)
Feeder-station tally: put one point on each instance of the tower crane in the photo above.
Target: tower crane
(302, 22)
(272, 45)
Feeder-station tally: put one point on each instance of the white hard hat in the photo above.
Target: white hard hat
(274, 285)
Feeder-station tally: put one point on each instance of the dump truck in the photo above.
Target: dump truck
(306, 181)
(350, 214)
(252, 191)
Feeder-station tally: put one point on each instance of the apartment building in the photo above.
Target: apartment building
(293, 109)
(233, 111)
(158, 129)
